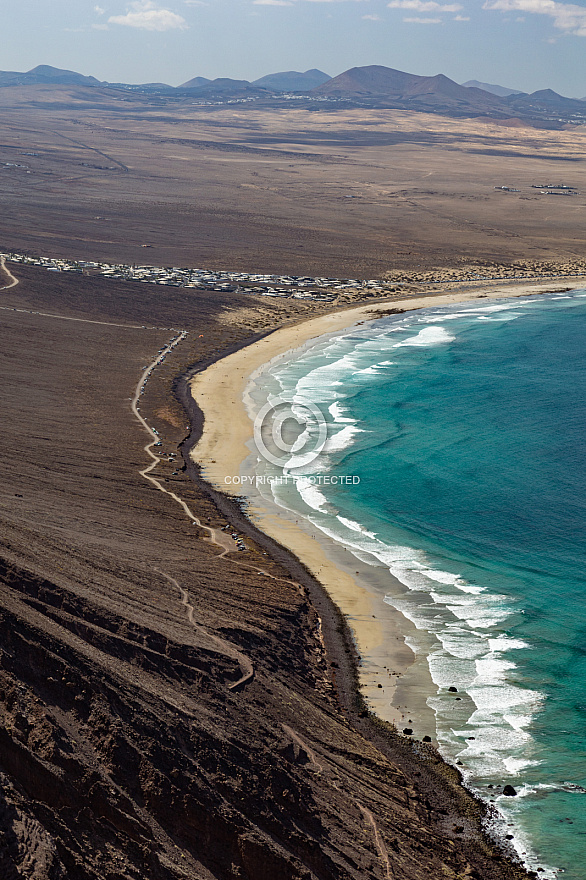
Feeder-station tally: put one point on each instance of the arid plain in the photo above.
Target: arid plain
(337, 192)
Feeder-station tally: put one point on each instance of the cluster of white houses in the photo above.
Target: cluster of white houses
(294, 286)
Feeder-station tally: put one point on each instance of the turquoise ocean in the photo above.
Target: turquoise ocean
(466, 426)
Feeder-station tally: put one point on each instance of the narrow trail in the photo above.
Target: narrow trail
(91, 150)
(367, 814)
(215, 536)
(79, 320)
(380, 844)
(13, 280)
(225, 647)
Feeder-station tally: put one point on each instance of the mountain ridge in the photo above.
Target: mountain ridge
(379, 86)
(374, 86)
(45, 74)
(375, 83)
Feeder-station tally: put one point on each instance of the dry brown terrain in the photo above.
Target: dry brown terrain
(343, 193)
(126, 751)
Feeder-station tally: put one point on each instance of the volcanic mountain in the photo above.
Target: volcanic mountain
(221, 84)
(293, 80)
(376, 84)
(197, 82)
(546, 100)
(43, 74)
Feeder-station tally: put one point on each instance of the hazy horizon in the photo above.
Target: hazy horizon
(235, 79)
(520, 44)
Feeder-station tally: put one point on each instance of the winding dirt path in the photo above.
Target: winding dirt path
(13, 280)
(367, 814)
(215, 536)
(380, 844)
(225, 647)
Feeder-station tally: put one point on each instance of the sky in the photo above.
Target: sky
(520, 44)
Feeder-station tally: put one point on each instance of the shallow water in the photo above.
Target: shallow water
(466, 426)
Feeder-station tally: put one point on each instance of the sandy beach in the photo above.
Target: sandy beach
(378, 630)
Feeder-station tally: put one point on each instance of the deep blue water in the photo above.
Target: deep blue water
(467, 427)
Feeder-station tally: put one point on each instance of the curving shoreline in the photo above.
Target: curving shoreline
(220, 452)
(357, 643)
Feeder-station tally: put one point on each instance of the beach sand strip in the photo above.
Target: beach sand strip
(378, 630)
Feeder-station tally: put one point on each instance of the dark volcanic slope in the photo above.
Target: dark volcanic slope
(124, 751)
(378, 86)
(44, 74)
(376, 83)
(372, 80)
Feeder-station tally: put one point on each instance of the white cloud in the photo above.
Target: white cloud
(148, 16)
(566, 16)
(461, 18)
(423, 20)
(99, 10)
(424, 6)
